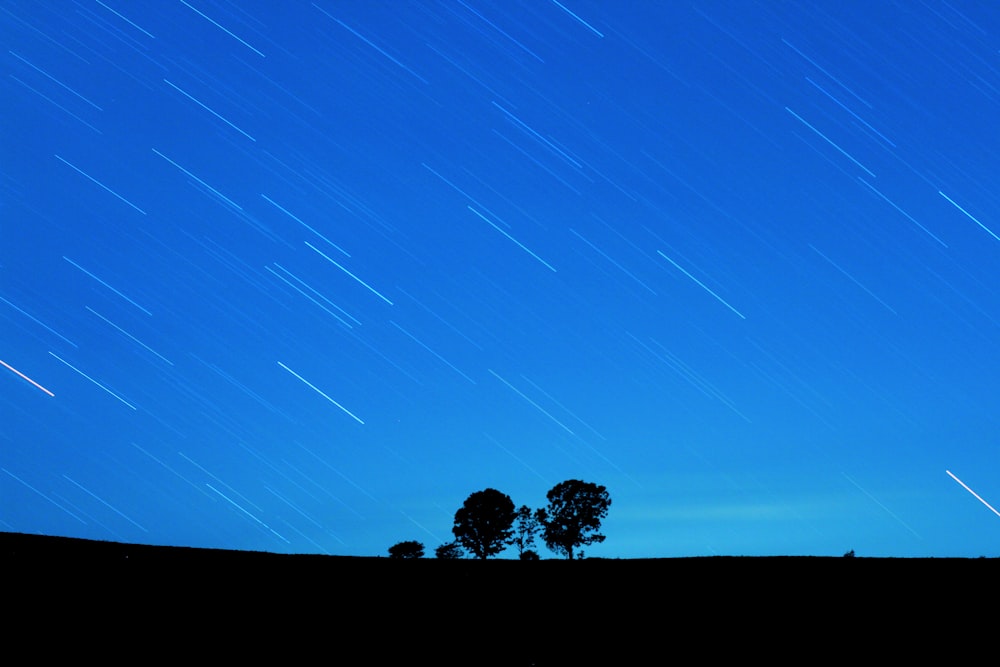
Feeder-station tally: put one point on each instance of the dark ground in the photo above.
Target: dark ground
(131, 603)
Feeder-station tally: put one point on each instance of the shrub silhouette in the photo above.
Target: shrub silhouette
(407, 549)
(449, 551)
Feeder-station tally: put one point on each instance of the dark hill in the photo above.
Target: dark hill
(266, 607)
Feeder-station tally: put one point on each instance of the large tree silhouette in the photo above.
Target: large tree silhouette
(483, 522)
(573, 516)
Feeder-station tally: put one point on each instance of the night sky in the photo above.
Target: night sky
(300, 277)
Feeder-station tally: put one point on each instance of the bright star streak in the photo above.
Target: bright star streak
(223, 30)
(972, 492)
(293, 217)
(702, 285)
(209, 110)
(827, 140)
(589, 27)
(94, 381)
(94, 180)
(536, 405)
(327, 258)
(237, 506)
(107, 285)
(106, 504)
(22, 375)
(44, 496)
(970, 216)
(519, 244)
(317, 390)
(125, 333)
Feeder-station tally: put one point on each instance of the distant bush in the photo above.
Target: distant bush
(408, 549)
(849, 554)
(449, 551)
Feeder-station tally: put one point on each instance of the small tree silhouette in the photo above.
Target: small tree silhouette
(849, 554)
(407, 549)
(526, 526)
(449, 551)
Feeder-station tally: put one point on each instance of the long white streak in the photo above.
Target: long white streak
(327, 258)
(497, 28)
(605, 256)
(539, 137)
(988, 230)
(537, 407)
(94, 381)
(24, 377)
(44, 496)
(107, 285)
(209, 110)
(318, 391)
(222, 29)
(426, 347)
(237, 506)
(285, 211)
(571, 413)
(317, 292)
(876, 501)
(972, 492)
(332, 314)
(39, 322)
(369, 43)
(589, 27)
(216, 478)
(854, 280)
(125, 19)
(107, 504)
(219, 194)
(94, 180)
(513, 456)
(827, 140)
(845, 108)
(702, 285)
(519, 244)
(816, 65)
(52, 78)
(130, 336)
(56, 104)
(421, 526)
(908, 216)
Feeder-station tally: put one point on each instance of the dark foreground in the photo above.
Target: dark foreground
(135, 603)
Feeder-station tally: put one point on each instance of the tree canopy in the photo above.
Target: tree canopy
(483, 522)
(573, 516)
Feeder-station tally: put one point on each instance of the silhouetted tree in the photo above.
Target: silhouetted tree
(526, 526)
(408, 549)
(849, 554)
(530, 554)
(573, 515)
(483, 522)
(449, 551)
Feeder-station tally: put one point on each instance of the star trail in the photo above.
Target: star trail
(301, 276)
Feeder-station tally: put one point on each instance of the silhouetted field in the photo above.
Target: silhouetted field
(339, 610)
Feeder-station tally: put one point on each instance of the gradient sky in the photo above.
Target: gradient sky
(300, 277)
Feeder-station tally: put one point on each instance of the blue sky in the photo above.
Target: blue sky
(300, 277)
